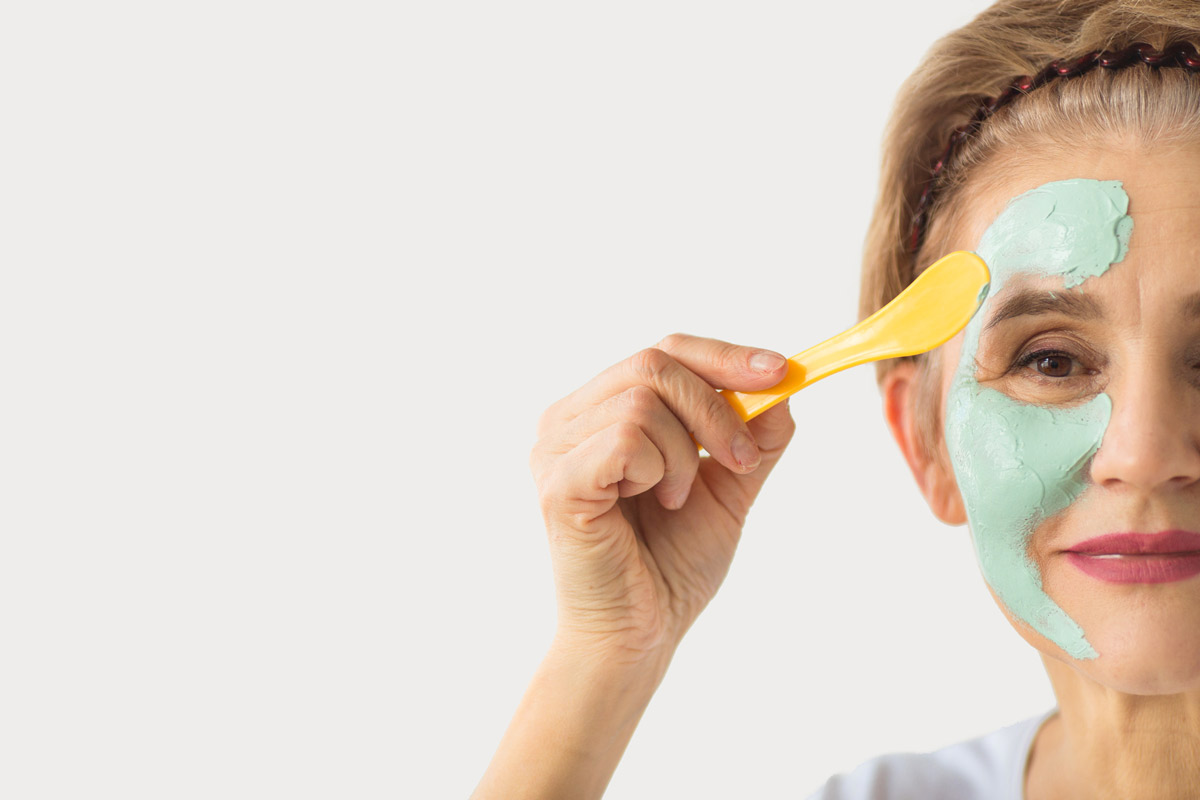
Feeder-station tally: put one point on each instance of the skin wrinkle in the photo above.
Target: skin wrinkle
(1031, 302)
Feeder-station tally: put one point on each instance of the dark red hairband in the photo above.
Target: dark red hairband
(1181, 54)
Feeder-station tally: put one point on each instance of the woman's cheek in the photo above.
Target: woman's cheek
(1017, 464)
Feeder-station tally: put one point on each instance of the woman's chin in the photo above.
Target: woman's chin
(1147, 643)
(1144, 668)
(1147, 649)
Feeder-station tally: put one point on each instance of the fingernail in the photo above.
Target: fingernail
(766, 361)
(745, 451)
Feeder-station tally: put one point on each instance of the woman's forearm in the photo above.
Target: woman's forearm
(570, 730)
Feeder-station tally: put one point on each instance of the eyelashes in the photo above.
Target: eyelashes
(1057, 369)
(1049, 364)
(1051, 373)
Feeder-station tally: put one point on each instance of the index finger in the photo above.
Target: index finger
(720, 364)
(726, 366)
(706, 415)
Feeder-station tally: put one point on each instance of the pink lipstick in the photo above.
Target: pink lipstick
(1139, 557)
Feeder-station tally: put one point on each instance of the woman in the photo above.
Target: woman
(1063, 424)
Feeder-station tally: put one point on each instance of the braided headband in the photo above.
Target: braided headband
(1180, 54)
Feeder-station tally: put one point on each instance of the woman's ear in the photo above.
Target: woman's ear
(902, 406)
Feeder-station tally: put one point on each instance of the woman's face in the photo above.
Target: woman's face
(1072, 409)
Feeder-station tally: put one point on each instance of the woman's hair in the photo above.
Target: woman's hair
(961, 72)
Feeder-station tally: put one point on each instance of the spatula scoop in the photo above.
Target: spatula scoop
(934, 307)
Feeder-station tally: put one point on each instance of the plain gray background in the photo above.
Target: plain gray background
(285, 289)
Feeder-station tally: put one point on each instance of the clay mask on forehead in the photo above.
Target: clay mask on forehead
(1018, 464)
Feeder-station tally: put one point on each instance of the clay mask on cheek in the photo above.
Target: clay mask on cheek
(1018, 464)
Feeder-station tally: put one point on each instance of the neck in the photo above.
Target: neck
(1108, 744)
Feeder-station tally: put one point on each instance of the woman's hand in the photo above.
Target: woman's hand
(642, 529)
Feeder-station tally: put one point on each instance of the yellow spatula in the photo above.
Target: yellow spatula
(934, 307)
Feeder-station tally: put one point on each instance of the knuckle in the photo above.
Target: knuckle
(639, 402)
(789, 425)
(535, 462)
(542, 426)
(650, 363)
(547, 484)
(554, 415)
(736, 355)
(728, 355)
(557, 512)
(553, 491)
(714, 411)
(627, 439)
(782, 422)
(681, 469)
(672, 341)
(547, 499)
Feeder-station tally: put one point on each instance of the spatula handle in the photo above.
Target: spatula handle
(925, 315)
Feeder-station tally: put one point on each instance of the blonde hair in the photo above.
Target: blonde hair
(964, 69)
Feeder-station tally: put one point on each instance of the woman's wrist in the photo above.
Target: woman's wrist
(613, 659)
(627, 679)
(572, 725)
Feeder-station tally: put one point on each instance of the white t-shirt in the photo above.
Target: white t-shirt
(991, 767)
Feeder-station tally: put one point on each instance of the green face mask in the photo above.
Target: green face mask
(1018, 464)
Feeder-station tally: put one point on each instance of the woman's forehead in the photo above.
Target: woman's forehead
(1160, 181)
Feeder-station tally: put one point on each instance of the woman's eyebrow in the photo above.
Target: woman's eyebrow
(1031, 302)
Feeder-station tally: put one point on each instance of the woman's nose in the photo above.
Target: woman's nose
(1153, 438)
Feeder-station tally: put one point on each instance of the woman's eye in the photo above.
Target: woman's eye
(1054, 366)
(1050, 363)
(1045, 371)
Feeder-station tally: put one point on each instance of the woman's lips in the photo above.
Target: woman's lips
(1139, 557)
